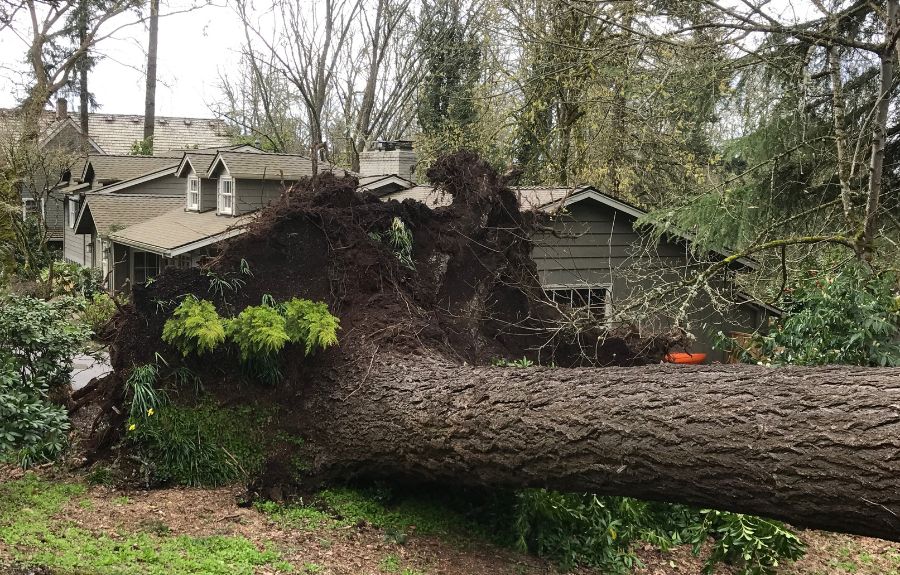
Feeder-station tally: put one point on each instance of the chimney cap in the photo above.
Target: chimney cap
(391, 145)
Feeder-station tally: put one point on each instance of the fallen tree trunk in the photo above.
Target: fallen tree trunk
(817, 447)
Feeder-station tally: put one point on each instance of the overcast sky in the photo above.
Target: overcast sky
(193, 48)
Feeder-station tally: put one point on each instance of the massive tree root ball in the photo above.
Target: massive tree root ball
(402, 396)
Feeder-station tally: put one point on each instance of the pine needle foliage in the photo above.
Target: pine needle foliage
(195, 327)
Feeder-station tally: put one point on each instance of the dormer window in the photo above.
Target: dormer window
(226, 195)
(193, 193)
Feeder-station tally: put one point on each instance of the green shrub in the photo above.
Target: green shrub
(258, 331)
(584, 529)
(37, 343)
(195, 327)
(73, 280)
(32, 430)
(99, 310)
(755, 544)
(851, 317)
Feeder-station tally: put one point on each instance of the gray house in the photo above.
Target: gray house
(593, 257)
(108, 134)
(219, 191)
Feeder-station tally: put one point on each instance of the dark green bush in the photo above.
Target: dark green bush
(850, 317)
(37, 342)
(584, 529)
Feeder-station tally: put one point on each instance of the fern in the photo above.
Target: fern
(258, 331)
(311, 323)
(195, 326)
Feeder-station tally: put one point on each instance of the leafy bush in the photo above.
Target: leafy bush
(195, 327)
(259, 332)
(41, 338)
(758, 545)
(32, 430)
(73, 280)
(851, 317)
(584, 529)
(100, 308)
(37, 343)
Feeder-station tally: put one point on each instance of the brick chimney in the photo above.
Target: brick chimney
(388, 158)
(62, 109)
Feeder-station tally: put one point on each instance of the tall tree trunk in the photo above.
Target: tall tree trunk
(879, 132)
(150, 100)
(84, 95)
(818, 447)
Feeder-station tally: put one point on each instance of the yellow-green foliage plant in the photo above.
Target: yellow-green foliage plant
(312, 323)
(258, 331)
(195, 327)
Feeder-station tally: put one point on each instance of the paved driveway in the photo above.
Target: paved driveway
(85, 368)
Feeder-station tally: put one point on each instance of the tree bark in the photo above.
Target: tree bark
(817, 447)
(879, 128)
(150, 99)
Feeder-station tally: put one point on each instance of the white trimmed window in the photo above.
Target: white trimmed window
(144, 266)
(193, 193)
(594, 299)
(73, 212)
(226, 195)
(29, 208)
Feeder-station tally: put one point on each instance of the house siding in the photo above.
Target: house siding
(255, 194)
(594, 244)
(164, 186)
(74, 245)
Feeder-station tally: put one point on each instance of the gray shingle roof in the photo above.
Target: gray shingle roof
(108, 169)
(111, 212)
(116, 133)
(267, 166)
(177, 228)
(199, 161)
(537, 197)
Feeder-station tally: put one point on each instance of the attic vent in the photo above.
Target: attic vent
(110, 118)
(212, 124)
(188, 122)
(135, 120)
(163, 122)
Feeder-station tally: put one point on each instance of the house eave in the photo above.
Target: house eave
(178, 250)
